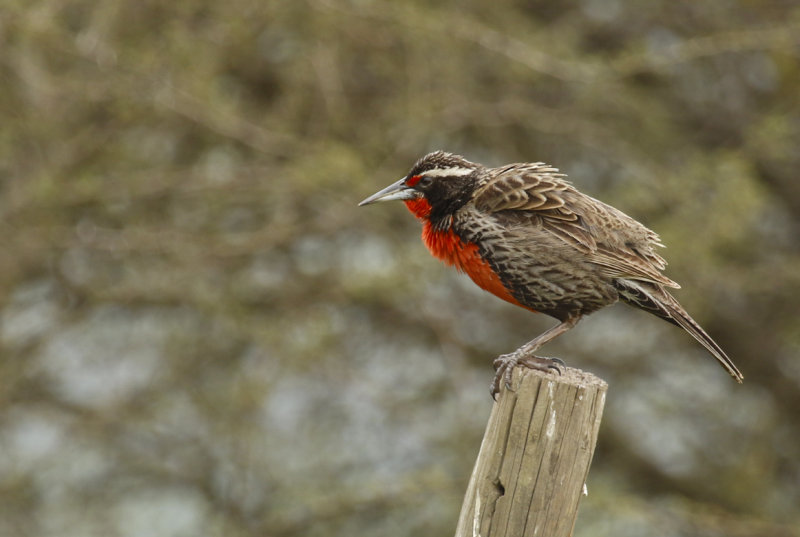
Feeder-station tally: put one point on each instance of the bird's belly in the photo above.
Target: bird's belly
(541, 274)
(559, 290)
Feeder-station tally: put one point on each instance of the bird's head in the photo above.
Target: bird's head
(437, 185)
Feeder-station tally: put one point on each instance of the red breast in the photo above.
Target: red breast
(464, 256)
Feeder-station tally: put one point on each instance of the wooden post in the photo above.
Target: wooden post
(535, 455)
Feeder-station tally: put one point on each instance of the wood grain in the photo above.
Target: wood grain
(535, 456)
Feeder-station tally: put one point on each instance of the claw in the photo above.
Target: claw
(505, 363)
(556, 364)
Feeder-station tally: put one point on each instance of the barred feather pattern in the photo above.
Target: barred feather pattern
(553, 248)
(567, 254)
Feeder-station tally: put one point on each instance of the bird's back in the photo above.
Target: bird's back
(557, 250)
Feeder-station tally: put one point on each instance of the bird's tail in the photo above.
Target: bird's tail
(655, 299)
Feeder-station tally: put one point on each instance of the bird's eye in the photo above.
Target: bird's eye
(424, 182)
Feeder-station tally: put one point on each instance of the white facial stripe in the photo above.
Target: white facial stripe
(446, 172)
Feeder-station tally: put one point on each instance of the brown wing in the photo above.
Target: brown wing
(618, 244)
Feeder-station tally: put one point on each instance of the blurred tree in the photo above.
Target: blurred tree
(202, 335)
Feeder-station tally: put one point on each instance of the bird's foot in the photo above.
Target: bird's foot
(505, 363)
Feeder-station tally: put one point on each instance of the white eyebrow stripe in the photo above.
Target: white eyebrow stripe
(445, 172)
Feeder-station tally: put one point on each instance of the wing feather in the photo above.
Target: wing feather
(619, 245)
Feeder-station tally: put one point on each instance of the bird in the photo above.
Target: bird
(524, 233)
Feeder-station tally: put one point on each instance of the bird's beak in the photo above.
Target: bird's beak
(396, 191)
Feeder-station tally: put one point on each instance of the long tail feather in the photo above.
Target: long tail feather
(654, 299)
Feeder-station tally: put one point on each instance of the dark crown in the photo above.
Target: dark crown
(441, 160)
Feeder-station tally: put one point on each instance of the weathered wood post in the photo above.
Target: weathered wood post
(535, 456)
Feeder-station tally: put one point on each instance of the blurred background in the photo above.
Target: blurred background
(201, 334)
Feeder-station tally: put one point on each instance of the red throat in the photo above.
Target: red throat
(419, 207)
(464, 256)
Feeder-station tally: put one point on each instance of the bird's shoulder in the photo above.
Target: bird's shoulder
(525, 196)
(538, 195)
(521, 186)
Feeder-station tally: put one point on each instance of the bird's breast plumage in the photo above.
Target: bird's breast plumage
(445, 244)
(466, 257)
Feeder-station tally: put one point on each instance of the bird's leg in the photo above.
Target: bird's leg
(505, 363)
